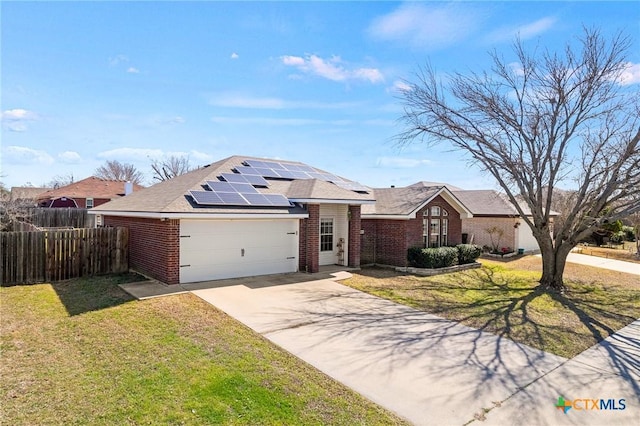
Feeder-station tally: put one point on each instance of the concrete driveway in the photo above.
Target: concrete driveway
(425, 368)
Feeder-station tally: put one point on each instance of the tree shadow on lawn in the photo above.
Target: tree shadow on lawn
(489, 344)
(81, 295)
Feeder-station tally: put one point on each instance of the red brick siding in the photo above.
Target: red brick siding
(415, 232)
(302, 245)
(386, 241)
(354, 236)
(368, 241)
(311, 240)
(390, 240)
(154, 246)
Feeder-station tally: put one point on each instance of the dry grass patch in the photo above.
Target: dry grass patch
(82, 352)
(503, 298)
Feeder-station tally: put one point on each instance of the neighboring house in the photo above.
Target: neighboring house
(241, 216)
(490, 209)
(26, 194)
(424, 214)
(86, 193)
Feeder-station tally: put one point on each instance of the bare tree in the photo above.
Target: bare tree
(59, 181)
(115, 170)
(555, 118)
(170, 167)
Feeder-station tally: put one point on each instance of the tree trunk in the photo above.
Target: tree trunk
(554, 260)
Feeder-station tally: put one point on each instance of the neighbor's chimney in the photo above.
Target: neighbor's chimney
(128, 188)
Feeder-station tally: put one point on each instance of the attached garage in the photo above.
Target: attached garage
(218, 249)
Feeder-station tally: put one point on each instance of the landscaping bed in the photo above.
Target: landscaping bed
(83, 352)
(503, 298)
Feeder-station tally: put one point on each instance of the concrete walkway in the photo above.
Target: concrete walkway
(423, 367)
(602, 262)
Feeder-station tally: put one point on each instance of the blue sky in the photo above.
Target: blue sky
(315, 82)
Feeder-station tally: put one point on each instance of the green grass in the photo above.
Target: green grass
(506, 301)
(83, 352)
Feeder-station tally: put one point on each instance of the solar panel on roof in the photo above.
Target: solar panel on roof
(300, 175)
(232, 198)
(234, 177)
(206, 197)
(220, 186)
(256, 199)
(256, 180)
(247, 170)
(352, 186)
(277, 200)
(305, 168)
(244, 188)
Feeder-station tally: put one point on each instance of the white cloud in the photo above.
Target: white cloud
(240, 100)
(170, 120)
(631, 74)
(399, 87)
(426, 26)
(234, 55)
(131, 154)
(401, 163)
(118, 59)
(133, 70)
(16, 119)
(24, 155)
(70, 157)
(524, 31)
(268, 121)
(332, 69)
(148, 154)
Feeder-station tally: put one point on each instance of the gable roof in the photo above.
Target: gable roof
(171, 198)
(404, 202)
(486, 202)
(91, 187)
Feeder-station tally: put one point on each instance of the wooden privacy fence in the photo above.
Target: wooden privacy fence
(54, 255)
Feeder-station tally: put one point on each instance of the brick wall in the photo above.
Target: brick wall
(477, 227)
(154, 246)
(390, 241)
(355, 224)
(386, 241)
(311, 240)
(368, 241)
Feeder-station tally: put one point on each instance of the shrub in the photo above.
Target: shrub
(440, 257)
(629, 233)
(468, 253)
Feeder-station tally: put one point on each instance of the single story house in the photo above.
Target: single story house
(492, 210)
(241, 216)
(423, 214)
(86, 193)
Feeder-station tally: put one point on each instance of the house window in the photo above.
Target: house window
(445, 230)
(89, 203)
(326, 234)
(435, 227)
(434, 233)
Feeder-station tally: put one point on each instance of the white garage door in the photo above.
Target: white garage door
(217, 249)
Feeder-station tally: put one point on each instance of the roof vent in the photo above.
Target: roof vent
(128, 188)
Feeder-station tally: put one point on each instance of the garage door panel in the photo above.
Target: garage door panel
(214, 249)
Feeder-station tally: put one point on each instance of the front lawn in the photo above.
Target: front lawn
(83, 352)
(502, 298)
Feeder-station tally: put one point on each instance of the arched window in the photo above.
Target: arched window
(435, 226)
